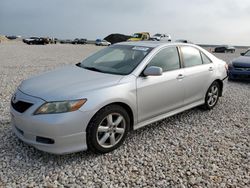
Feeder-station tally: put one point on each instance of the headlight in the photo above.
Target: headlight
(60, 107)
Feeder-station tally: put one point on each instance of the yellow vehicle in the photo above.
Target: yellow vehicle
(139, 36)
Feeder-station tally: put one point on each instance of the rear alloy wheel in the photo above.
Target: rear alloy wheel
(212, 96)
(107, 129)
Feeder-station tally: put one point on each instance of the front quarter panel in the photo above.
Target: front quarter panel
(123, 92)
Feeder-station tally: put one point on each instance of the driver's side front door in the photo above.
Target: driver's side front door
(157, 95)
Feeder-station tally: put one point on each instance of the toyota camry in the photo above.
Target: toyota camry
(93, 104)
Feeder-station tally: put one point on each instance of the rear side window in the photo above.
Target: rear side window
(205, 59)
(167, 59)
(191, 56)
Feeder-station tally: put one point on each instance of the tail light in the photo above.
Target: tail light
(226, 67)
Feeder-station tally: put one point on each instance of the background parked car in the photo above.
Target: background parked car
(36, 40)
(12, 37)
(100, 42)
(140, 36)
(184, 41)
(66, 41)
(239, 68)
(79, 41)
(159, 37)
(224, 49)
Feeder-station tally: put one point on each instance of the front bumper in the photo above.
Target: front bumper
(54, 133)
(239, 75)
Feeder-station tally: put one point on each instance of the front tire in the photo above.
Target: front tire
(108, 129)
(212, 96)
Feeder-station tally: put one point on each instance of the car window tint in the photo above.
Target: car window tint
(247, 53)
(205, 59)
(167, 59)
(115, 55)
(117, 59)
(191, 56)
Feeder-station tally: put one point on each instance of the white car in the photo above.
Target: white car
(93, 105)
(163, 37)
(102, 43)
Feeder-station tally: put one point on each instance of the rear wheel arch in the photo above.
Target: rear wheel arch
(220, 82)
(212, 95)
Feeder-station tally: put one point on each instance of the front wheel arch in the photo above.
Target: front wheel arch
(92, 128)
(126, 107)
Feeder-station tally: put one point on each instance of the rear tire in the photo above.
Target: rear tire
(212, 96)
(108, 129)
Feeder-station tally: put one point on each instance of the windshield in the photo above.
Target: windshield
(247, 53)
(117, 59)
(137, 35)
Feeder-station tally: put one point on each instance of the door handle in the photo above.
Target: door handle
(210, 69)
(180, 76)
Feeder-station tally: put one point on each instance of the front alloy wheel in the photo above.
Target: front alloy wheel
(107, 129)
(111, 130)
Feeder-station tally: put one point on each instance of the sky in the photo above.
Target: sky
(200, 21)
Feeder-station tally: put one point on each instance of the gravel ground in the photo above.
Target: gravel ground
(196, 148)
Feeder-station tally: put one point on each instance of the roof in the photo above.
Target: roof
(151, 44)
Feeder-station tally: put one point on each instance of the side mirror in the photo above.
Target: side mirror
(153, 71)
(242, 54)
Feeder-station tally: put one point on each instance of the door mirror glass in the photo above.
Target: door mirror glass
(242, 54)
(153, 71)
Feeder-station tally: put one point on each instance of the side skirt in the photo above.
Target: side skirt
(168, 114)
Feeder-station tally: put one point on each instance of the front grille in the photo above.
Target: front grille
(21, 106)
(242, 68)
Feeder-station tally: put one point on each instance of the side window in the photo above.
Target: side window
(205, 59)
(191, 56)
(167, 59)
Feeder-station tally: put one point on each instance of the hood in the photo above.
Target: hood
(67, 83)
(243, 61)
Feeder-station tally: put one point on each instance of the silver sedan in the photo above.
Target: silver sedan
(93, 104)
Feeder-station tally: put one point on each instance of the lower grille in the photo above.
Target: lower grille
(21, 106)
(44, 140)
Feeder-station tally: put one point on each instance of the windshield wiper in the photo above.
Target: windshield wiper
(93, 69)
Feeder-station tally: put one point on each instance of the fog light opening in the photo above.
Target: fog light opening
(44, 140)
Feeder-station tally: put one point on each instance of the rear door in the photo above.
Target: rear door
(157, 95)
(198, 73)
